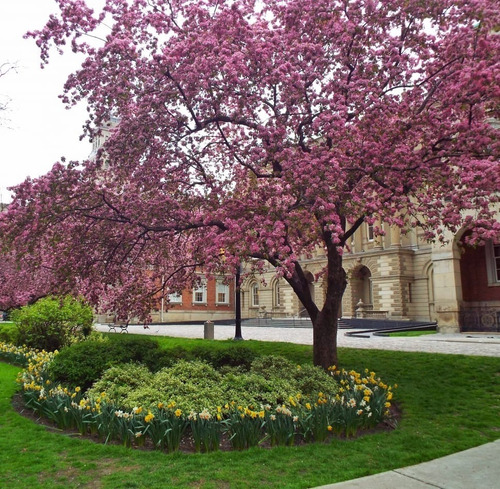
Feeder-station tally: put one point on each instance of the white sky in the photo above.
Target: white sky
(37, 129)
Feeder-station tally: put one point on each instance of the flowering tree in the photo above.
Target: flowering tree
(22, 282)
(264, 129)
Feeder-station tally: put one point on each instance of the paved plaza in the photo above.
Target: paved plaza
(464, 344)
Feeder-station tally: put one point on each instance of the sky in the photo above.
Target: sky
(37, 129)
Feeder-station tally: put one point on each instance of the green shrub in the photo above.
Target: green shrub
(140, 349)
(196, 372)
(197, 385)
(53, 322)
(191, 385)
(81, 364)
(9, 333)
(252, 389)
(270, 366)
(157, 358)
(311, 380)
(232, 355)
(119, 381)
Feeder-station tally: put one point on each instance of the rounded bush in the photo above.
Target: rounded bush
(128, 348)
(197, 385)
(81, 363)
(9, 334)
(53, 322)
(311, 380)
(252, 389)
(119, 381)
(191, 385)
(274, 366)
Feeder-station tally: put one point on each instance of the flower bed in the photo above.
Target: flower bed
(362, 402)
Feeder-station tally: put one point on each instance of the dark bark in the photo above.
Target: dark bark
(325, 321)
(325, 340)
(326, 324)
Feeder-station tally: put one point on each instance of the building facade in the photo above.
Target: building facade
(209, 300)
(401, 277)
(394, 276)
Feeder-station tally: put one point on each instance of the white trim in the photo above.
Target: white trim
(175, 298)
(493, 263)
(201, 291)
(221, 289)
(370, 231)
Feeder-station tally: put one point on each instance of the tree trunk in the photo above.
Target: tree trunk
(325, 340)
(325, 325)
(324, 321)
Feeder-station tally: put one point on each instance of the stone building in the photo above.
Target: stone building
(394, 276)
(401, 277)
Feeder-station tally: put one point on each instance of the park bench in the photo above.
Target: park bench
(118, 326)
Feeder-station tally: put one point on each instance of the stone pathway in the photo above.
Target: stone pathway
(461, 344)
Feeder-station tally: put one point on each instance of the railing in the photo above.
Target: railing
(366, 311)
(479, 318)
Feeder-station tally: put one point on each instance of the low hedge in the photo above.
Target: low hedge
(82, 364)
(197, 385)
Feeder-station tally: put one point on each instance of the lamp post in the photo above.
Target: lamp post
(237, 305)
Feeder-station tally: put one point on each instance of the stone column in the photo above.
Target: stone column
(395, 237)
(361, 232)
(447, 289)
(377, 239)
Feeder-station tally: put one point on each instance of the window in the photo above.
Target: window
(200, 293)
(222, 293)
(255, 295)
(369, 232)
(276, 294)
(493, 263)
(175, 298)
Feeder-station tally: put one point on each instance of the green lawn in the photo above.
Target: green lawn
(449, 403)
(411, 333)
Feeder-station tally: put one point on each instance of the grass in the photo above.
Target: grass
(449, 403)
(411, 333)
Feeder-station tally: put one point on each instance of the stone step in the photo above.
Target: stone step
(278, 323)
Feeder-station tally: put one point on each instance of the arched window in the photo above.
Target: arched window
(254, 289)
(370, 235)
(277, 299)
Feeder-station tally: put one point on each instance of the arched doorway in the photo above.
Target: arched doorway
(361, 287)
(364, 283)
(480, 280)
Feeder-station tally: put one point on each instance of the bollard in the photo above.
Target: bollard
(208, 330)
